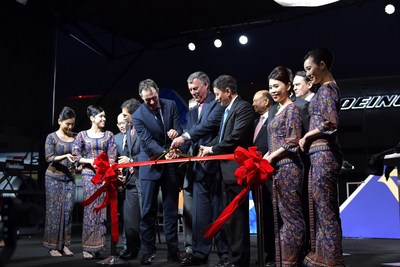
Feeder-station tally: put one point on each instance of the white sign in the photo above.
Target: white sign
(370, 102)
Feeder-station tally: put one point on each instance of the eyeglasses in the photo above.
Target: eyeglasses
(121, 123)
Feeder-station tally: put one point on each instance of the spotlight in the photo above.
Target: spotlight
(217, 43)
(389, 9)
(305, 3)
(243, 39)
(191, 46)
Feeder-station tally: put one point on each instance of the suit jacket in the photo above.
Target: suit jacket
(202, 131)
(119, 138)
(153, 139)
(305, 116)
(261, 140)
(133, 143)
(238, 131)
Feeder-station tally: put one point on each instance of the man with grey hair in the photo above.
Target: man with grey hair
(202, 126)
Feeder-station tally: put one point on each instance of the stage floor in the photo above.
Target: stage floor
(358, 253)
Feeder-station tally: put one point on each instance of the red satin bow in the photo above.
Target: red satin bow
(106, 176)
(253, 170)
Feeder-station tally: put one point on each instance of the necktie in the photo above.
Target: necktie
(125, 146)
(200, 109)
(258, 127)
(158, 118)
(132, 133)
(226, 112)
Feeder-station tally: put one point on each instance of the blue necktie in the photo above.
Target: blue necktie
(226, 112)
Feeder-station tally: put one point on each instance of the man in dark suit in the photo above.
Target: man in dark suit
(156, 121)
(237, 129)
(130, 152)
(120, 139)
(202, 127)
(262, 102)
(302, 86)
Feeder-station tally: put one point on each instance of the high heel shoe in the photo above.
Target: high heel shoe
(55, 253)
(67, 252)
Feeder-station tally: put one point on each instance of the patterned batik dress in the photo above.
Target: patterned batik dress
(94, 223)
(285, 131)
(326, 162)
(60, 194)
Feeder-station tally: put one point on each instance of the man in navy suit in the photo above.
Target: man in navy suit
(131, 211)
(202, 127)
(237, 129)
(262, 102)
(156, 121)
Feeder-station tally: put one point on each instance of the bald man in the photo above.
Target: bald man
(262, 102)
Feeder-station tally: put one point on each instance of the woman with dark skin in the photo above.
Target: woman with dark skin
(60, 186)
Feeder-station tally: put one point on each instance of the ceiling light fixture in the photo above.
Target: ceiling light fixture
(243, 39)
(390, 9)
(217, 43)
(191, 46)
(305, 3)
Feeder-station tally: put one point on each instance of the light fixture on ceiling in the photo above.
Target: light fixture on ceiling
(389, 7)
(243, 39)
(217, 43)
(304, 3)
(191, 46)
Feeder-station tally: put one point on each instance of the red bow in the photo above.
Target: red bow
(253, 170)
(106, 176)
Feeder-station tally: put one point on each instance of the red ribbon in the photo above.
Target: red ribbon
(107, 175)
(253, 170)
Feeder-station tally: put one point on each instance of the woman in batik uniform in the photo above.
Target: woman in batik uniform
(88, 145)
(322, 144)
(284, 132)
(60, 186)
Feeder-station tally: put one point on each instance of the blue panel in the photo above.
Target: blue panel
(253, 216)
(373, 211)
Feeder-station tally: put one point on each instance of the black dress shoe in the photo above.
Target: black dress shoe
(223, 262)
(190, 260)
(270, 264)
(178, 257)
(127, 254)
(146, 260)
